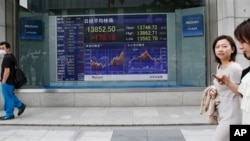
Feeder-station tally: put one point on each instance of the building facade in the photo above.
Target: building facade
(117, 52)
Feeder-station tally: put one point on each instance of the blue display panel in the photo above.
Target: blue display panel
(192, 25)
(31, 29)
(122, 47)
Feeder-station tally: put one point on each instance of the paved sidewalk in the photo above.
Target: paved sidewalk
(133, 133)
(109, 116)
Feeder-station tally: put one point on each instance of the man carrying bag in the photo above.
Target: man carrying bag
(8, 78)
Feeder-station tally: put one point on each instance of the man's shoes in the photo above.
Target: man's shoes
(21, 109)
(7, 118)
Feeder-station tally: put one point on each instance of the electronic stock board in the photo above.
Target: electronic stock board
(112, 47)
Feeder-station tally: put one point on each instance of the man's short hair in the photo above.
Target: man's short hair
(6, 44)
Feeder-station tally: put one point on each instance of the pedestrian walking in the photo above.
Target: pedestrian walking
(7, 78)
(224, 49)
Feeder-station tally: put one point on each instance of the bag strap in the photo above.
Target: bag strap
(14, 60)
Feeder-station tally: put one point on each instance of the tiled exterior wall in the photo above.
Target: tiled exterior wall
(230, 14)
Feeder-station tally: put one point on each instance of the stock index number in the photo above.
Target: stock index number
(147, 27)
(101, 29)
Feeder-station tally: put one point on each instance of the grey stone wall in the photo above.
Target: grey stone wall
(111, 97)
(230, 14)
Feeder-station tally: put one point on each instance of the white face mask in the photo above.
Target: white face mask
(2, 52)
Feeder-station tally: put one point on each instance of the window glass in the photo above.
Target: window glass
(112, 43)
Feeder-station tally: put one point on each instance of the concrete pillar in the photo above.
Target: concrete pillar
(226, 17)
(242, 12)
(2, 38)
(230, 14)
(2, 20)
(11, 21)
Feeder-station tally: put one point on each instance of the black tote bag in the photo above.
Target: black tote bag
(20, 78)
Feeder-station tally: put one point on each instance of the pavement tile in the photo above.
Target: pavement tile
(129, 133)
(104, 133)
(110, 116)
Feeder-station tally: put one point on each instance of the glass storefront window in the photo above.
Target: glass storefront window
(113, 43)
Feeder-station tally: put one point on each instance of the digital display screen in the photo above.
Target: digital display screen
(126, 28)
(121, 47)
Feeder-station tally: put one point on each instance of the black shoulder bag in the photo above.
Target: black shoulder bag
(20, 78)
